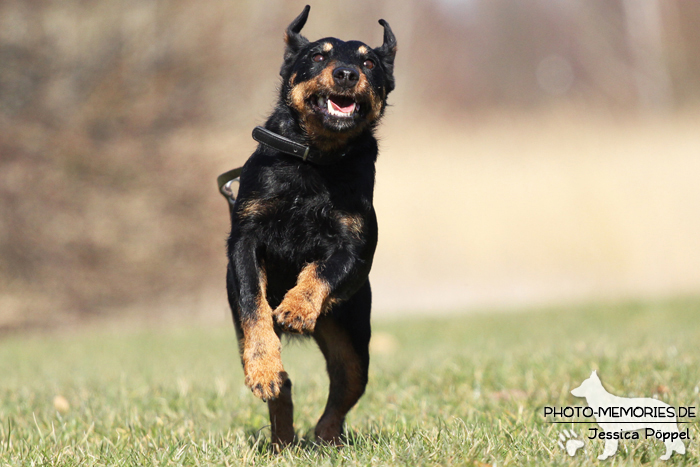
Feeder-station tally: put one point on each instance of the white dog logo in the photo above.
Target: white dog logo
(616, 415)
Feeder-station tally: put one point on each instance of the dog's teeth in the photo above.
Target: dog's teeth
(333, 111)
(336, 112)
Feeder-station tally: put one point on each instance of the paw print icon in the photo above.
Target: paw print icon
(568, 441)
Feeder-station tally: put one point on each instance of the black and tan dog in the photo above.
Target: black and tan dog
(304, 230)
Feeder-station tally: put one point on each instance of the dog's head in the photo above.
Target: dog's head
(590, 385)
(336, 88)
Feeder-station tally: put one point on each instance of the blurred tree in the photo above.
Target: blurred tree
(104, 197)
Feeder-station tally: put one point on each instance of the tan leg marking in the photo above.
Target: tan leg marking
(303, 304)
(262, 359)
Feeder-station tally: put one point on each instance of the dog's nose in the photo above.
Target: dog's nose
(345, 77)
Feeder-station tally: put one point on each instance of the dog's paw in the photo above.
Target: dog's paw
(264, 373)
(265, 379)
(329, 431)
(298, 312)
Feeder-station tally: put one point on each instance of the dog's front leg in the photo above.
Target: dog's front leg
(260, 346)
(318, 285)
(303, 303)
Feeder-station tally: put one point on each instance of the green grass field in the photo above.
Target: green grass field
(463, 390)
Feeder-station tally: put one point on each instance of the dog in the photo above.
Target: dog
(615, 415)
(303, 226)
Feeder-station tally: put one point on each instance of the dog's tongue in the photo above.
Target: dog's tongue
(342, 104)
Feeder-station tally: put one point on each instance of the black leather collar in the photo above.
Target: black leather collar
(278, 143)
(287, 146)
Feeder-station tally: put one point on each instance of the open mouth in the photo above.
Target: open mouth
(337, 106)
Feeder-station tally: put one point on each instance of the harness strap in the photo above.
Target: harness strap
(224, 182)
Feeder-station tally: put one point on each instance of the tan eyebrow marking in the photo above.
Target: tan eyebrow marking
(327, 46)
(363, 50)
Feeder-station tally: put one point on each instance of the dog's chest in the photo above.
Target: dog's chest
(304, 225)
(301, 214)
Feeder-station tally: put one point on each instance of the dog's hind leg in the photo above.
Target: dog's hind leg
(343, 337)
(282, 416)
(679, 446)
(675, 445)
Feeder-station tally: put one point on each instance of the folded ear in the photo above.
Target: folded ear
(294, 40)
(386, 54)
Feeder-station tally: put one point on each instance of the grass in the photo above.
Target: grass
(467, 390)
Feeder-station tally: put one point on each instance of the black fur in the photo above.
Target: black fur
(290, 213)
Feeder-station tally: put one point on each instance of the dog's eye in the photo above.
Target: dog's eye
(369, 64)
(318, 58)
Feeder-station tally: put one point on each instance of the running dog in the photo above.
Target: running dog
(303, 226)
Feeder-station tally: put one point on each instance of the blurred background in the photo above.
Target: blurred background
(536, 151)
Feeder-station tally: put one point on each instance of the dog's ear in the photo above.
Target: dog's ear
(292, 38)
(387, 53)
